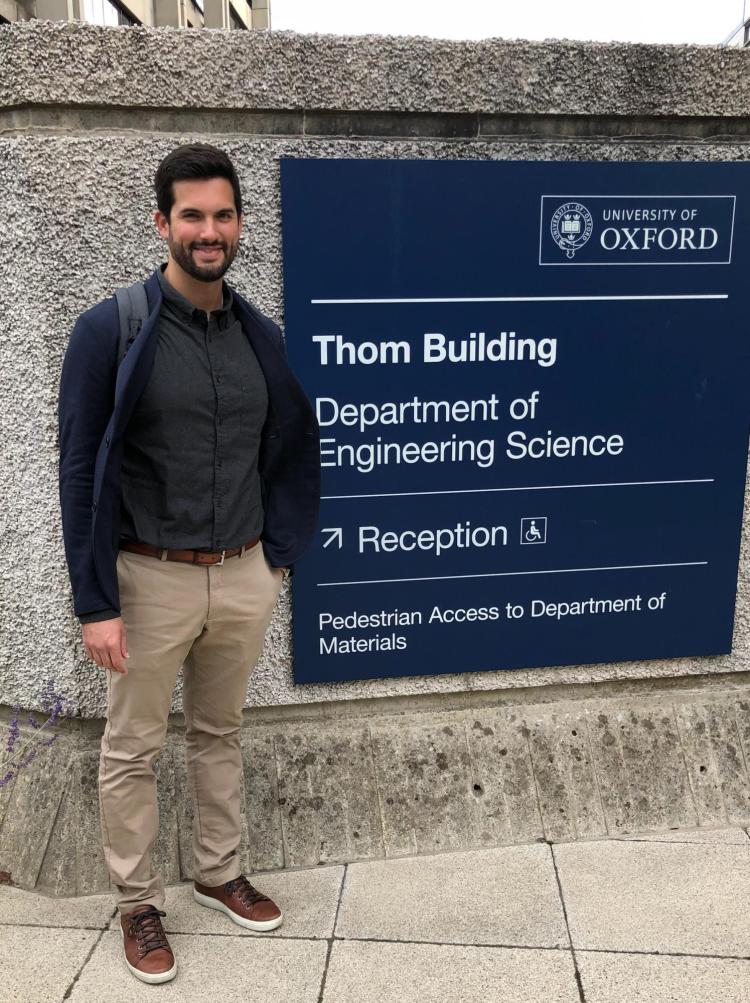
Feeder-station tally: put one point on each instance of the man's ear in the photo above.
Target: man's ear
(162, 223)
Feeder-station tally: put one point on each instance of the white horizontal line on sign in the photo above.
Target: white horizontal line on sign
(511, 574)
(523, 299)
(533, 487)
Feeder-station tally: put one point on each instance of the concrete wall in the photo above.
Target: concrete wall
(85, 116)
(87, 113)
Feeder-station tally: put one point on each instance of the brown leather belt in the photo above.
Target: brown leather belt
(187, 556)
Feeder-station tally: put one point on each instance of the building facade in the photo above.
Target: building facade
(359, 769)
(240, 14)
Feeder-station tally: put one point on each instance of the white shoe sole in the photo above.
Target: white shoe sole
(152, 980)
(260, 926)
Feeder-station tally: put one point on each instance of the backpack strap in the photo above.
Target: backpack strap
(132, 307)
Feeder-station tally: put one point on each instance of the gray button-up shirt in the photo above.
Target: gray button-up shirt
(190, 461)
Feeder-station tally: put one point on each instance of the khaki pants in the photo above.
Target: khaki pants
(213, 620)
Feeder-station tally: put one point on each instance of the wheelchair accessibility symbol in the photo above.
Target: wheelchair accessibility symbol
(534, 530)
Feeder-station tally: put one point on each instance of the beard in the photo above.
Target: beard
(183, 255)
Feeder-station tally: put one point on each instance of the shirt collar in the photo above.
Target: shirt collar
(187, 310)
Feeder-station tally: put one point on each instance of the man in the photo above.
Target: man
(189, 480)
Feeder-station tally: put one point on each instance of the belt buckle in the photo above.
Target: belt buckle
(219, 563)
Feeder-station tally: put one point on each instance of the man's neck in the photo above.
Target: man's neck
(205, 296)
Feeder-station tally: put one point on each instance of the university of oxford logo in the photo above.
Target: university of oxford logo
(571, 227)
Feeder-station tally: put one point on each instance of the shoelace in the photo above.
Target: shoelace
(244, 891)
(147, 929)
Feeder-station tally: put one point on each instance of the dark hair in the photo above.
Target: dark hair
(193, 162)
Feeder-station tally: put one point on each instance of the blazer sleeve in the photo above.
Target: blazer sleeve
(86, 403)
(279, 337)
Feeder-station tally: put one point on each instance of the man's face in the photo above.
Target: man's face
(203, 229)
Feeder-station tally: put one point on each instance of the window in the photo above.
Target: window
(235, 21)
(740, 36)
(107, 12)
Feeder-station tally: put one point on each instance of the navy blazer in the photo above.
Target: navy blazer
(96, 402)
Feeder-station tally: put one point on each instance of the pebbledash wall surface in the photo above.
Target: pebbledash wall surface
(354, 769)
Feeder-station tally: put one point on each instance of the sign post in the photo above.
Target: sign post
(531, 381)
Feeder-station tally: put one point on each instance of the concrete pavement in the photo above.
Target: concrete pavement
(657, 918)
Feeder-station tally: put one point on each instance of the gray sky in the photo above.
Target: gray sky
(697, 21)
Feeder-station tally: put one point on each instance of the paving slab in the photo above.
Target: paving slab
(31, 812)
(624, 895)
(23, 979)
(648, 978)
(502, 765)
(307, 898)
(265, 843)
(727, 835)
(21, 907)
(428, 973)
(506, 896)
(640, 767)
(230, 969)
(328, 794)
(715, 759)
(565, 773)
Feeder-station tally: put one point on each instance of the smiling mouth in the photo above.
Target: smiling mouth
(212, 250)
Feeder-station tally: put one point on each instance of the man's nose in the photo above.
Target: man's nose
(209, 230)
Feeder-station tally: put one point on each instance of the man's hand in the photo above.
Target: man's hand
(106, 644)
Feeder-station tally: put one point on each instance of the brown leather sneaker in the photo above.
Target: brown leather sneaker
(147, 952)
(244, 904)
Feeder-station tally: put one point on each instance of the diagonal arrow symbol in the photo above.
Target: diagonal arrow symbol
(336, 534)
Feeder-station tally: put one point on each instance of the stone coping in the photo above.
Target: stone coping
(78, 64)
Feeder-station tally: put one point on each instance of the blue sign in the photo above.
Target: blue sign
(523, 465)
